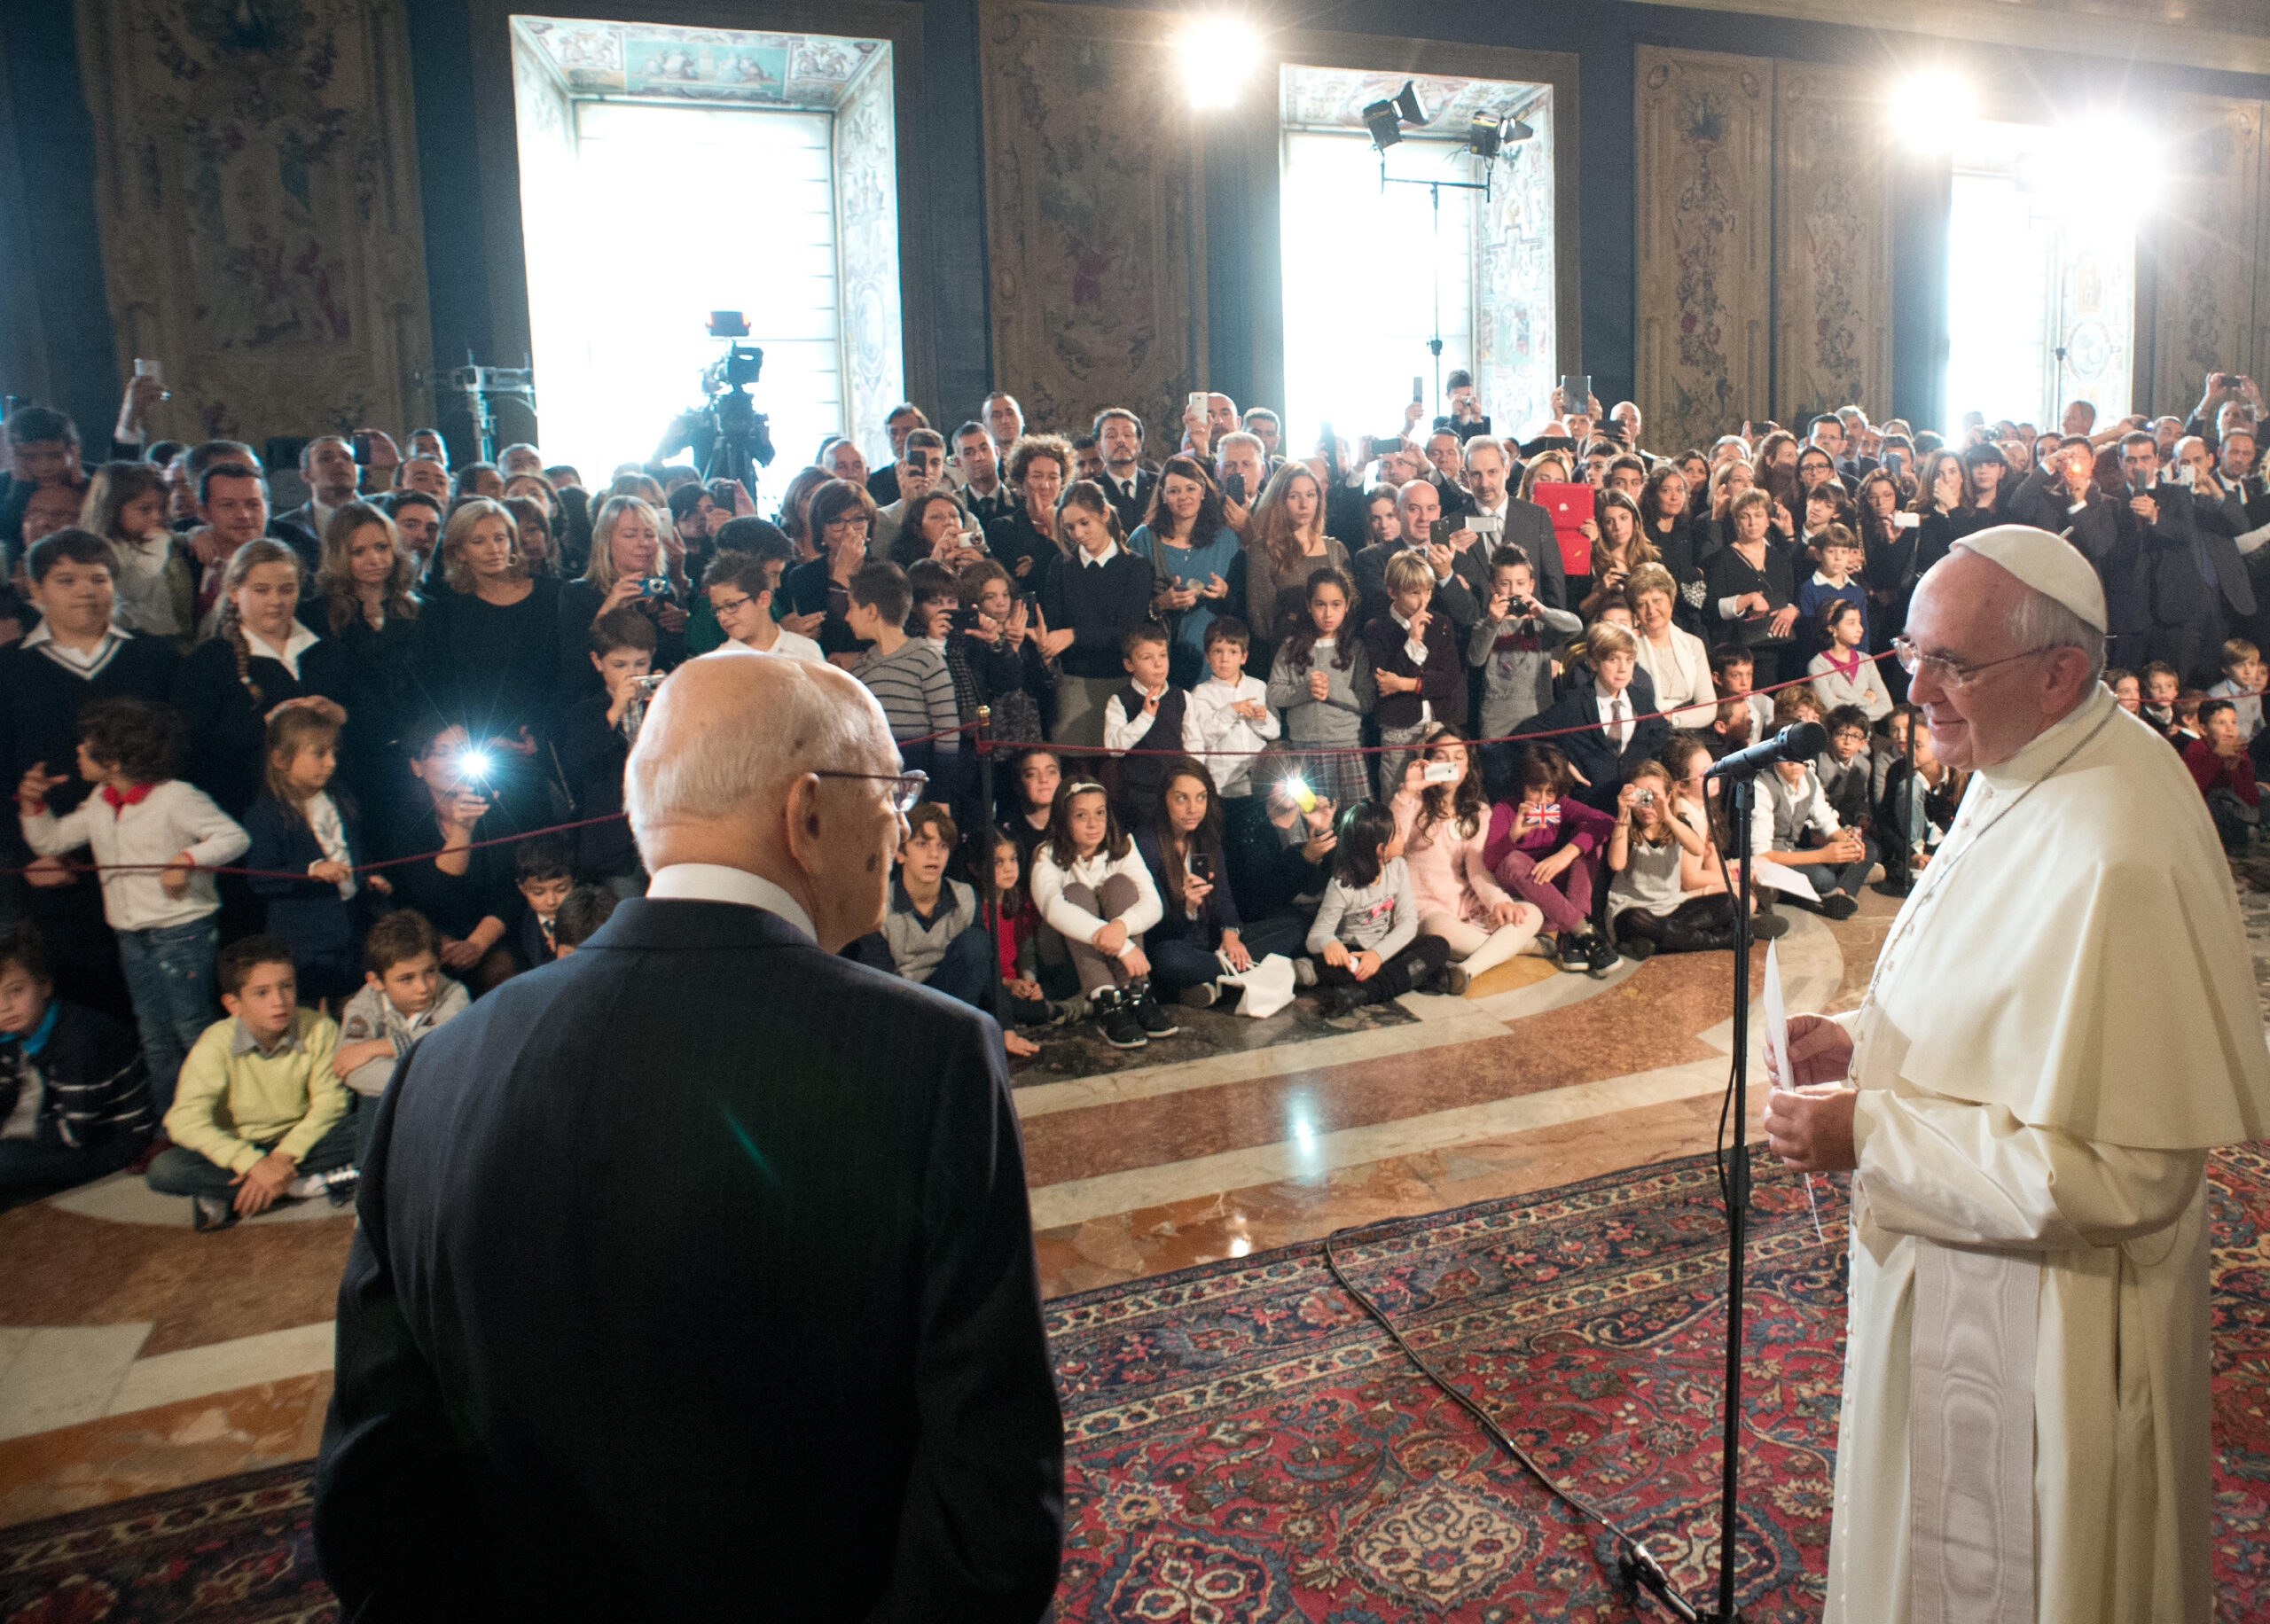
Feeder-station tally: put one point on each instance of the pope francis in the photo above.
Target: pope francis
(2061, 1023)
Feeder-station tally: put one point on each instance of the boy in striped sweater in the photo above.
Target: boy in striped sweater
(74, 1104)
(907, 674)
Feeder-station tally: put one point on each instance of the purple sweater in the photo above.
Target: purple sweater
(1587, 826)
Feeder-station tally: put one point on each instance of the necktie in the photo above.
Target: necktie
(1615, 728)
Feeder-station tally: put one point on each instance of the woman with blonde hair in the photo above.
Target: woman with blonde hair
(489, 643)
(154, 586)
(1676, 661)
(259, 656)
(629, 569)
(1285, 545)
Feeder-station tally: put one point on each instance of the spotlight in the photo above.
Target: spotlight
(1215, 52)
(1486, 137)
(1385, 118)
(1933, 111)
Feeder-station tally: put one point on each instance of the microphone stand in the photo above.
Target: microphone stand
(1741, 790)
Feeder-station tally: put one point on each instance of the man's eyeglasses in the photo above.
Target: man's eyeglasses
(905, 790)
(1949, 673)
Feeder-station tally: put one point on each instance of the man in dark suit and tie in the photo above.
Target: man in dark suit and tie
(1608, 737)
(1127, 484)
(1499, 517)
(694, 1275)
(327, 466)
(2164, 588)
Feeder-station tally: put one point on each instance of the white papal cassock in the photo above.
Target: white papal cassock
(2062, 1022)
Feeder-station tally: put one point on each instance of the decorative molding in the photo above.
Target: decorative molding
(735, 66)
(1831, 216)
(2197, 253)
(1704, 190)
(256, 190)
(1094, 212)
(868, 275)
(2048, 24)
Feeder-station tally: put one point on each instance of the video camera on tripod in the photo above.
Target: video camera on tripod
(732, 439)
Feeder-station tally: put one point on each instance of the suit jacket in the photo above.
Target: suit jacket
(1590, 753)
(1454, 599)
(1134, 509)
(2161, 573)
(694, 1280)
(2218, 522)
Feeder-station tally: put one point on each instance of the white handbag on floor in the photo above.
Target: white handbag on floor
(1268, 984)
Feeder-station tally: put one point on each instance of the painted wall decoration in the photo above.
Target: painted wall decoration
(1516, 334)
(257, 198)
(1833, 241)
(1704, 191)
(728, 64)
(866, 212)
(1093, 205)
(2202, 244)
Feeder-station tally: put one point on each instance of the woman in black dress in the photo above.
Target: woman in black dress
(489, 645)
(841, 517)
(259, 656)
(364, 581)
(1028, 541)
(1749, 587)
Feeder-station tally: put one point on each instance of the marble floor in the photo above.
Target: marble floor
(136, 1355)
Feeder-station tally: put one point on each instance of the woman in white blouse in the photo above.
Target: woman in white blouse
(1676, 661)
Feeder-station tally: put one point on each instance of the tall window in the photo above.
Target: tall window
(1368, 271)
(620, 339)
(2041, 266)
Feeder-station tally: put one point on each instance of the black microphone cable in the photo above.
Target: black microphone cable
(1637, 1568)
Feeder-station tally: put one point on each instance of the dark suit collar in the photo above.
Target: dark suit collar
(643, 924)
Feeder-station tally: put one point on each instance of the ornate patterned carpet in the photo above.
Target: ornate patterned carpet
(1245, 1446)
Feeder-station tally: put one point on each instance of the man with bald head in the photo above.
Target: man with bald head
(2061, 1023)
(694, 1275)
(1418, 505)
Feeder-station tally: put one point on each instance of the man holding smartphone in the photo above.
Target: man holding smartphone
(1241, 465)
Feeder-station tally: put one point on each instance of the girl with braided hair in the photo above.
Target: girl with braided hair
(260, 656)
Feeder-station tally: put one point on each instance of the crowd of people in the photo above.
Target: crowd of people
(1198, 723)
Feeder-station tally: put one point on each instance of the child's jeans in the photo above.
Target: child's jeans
(1566, 901)
(181, 1172)
(169, 976)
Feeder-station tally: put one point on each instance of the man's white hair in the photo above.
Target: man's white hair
(2040, 621)
(1487, 442)
(720, 766)
(1239, 437)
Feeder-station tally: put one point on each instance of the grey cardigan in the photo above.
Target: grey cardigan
(1336, 720)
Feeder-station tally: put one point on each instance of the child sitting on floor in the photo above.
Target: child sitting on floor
(1365, 936)
(75, 1104)
(404, 995)
(259, 1115)
(581, 912)
(1092, 887)
(930, 932)
(1545, 848)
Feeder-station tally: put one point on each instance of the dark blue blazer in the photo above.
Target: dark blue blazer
(308, 913)
(694, 1279)
(1590, 752)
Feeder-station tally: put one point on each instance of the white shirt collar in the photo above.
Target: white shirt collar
(298, 644)
(1622, 696)
(1097, 560)
(714, 882)
(43, 634)
(1820, 579)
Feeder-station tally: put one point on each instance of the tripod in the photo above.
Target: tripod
(742, 442)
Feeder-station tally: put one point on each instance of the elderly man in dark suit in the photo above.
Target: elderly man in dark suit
(694, 1277)
(1609, 723)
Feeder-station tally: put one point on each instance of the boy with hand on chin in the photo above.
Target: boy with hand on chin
(259, 1115)
(404, 996)
(1150, 713)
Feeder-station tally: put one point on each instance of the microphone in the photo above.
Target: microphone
(1800, 741)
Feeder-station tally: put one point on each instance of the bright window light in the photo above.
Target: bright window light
(617, 303)
(1356, 324)
(1216, 53)
(1933, 111)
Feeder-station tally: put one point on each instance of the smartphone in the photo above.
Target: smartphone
(1418, 387)
(1442, 772)
(1233, 487)
(2187, 475)
(361, 449)
(153, 369)
(1440, 532)
(1575, 392)
(1906, 521)
(1895, 463)
(1201, 866)
(1198, 401)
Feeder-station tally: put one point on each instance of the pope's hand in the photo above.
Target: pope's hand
(1811, 1130)
(1821, 1050)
